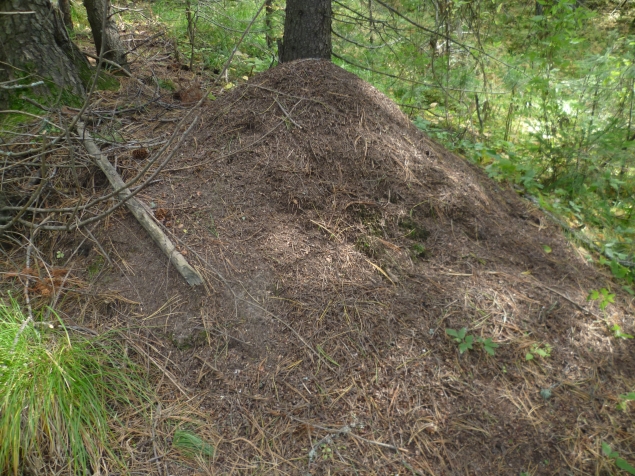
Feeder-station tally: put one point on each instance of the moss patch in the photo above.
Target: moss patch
(413, 230)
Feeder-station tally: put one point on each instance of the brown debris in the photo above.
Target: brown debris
(338, 243)
(190, 94)
(140, 154)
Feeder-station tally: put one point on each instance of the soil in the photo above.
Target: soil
(338, 243)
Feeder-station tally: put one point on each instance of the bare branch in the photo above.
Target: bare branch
(22, 86)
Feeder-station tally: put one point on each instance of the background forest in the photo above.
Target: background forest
(414, 324)
(538, 93)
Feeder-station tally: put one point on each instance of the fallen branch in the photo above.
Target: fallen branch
(138, 210)
(22, 86)
(287, 114)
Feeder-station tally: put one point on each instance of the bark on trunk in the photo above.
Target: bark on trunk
(307, 30)
(105, 32)
(37, 45)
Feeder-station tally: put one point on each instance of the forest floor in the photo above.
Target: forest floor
(337, 245)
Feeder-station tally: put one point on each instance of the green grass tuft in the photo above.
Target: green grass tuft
(58, 394)
(192, 445)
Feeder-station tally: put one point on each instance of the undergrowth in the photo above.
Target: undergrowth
(59, 394)
(540, 94)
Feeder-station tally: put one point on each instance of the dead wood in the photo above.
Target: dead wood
(138, 210)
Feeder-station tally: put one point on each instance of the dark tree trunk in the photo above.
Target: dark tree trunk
(105, 32)
(268, 23)
(307, 30)
(65, 8)
(36, 46)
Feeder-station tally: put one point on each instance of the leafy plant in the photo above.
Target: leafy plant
(95, 267)
(618, 333)
(460, 337)
(466, 341)
(488, 345)
(603, 296)
(540, 350)
(624, 399)
(327, 451)
(619, 462)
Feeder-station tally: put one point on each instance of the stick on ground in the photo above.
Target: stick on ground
(138, 210)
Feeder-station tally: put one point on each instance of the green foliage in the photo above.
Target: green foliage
(461, 338)
(466, 341)
(327, 451)
(603, 296)
(191, 445)
(95, 267)
(413, 230)
(617, 269)
(624, 399)
(539, 350)
(59, 393)
(619, 462)
(618, 333)
(418, 250)
(213, 30)
(487, 345)
(81, 26)
(166, 84)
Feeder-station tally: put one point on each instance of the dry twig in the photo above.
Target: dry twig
(138, 210)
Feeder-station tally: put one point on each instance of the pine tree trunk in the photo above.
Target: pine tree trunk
(307, 30)
(268, 23)
(105, 32)
(65, 9)
(36, 46)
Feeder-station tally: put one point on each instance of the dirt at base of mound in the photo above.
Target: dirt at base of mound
(338, 244)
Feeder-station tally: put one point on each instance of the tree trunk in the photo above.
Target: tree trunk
(268, 23)
(36, 46)
(65, 8)
(307, 30)
(105, 32)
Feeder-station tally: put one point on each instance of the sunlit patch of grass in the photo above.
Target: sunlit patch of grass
(81, 27)
(58, 395)
(192, 445)
(218, 28)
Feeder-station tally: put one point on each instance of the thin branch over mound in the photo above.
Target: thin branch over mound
(138, 210)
